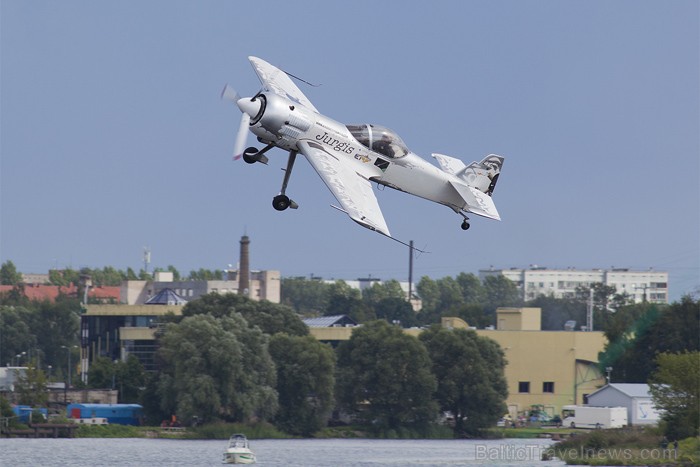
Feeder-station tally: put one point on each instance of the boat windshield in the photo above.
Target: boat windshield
(379, 139)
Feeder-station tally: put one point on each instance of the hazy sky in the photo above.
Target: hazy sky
(114, 137)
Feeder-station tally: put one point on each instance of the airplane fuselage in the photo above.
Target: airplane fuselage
(284, 123)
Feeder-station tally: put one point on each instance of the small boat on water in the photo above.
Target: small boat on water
(238, 451)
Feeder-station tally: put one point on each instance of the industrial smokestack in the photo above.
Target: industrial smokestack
(244, 268)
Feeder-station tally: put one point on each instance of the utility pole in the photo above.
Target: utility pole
(410, 272)
(589, 313)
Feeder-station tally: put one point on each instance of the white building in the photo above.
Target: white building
(264, 285)
(9, 376)
(635, 397)
(640, 286)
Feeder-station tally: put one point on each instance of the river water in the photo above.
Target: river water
(89, 452)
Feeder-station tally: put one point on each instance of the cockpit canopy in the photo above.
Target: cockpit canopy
(379, 139)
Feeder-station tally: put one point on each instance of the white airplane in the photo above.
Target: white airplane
(348, 158)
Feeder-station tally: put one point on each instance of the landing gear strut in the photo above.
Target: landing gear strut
(251, 155)
(282, 201)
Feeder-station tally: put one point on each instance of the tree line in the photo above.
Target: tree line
(465, 296)
(285, 374)
(107, 276)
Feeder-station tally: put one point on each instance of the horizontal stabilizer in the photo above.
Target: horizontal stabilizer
(476, 202)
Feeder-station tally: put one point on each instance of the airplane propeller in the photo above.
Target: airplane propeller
(249, 106)
(242, 136)
(232, 95)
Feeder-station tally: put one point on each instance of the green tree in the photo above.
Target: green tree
(429, 292)
(384, 378)
(557, 311)
(270, 317)
(9, 274)
(7, 412)
(396, 310)
(659, 329)
(450, 295)
(345, 300)
(675, 389)
(145, 276)
(176, 273)
(131, 275)
(500, 292)
(440, 298)
(130, 380)
(107, 276)
(30, 386)
(216, 368)
(304, 295)
(206, 275)
(472, 290)
(378, 292)
(63, 277)
(619, 324)
(473, 315)
(470, 375)
(56, 325)
(15, 334)
(388, 301)
(305, 383)
(102, 373)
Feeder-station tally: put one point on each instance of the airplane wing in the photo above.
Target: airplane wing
(277, 81)
(352, 190)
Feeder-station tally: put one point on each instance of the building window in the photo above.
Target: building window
(548, 386)
(524, 387)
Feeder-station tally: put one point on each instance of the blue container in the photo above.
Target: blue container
(120, 414)
(24, 411)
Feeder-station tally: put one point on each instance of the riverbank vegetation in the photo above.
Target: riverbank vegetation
(628, 447)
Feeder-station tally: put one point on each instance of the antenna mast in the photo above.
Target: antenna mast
(146, 258)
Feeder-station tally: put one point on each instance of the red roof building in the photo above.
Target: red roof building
(40, 292)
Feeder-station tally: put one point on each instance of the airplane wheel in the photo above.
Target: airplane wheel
(280, 202)
(249, 155)
(465, 225)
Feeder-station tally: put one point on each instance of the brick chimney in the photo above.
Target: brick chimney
(244, 268)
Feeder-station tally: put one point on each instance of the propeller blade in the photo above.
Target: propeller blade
(230, 94)
(242, 137)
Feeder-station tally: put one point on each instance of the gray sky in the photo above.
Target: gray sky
(113, 136)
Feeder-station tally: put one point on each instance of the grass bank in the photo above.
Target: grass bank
(256, 431)
(210, 431)
(356, 431)
(627, 447)
(532, 432)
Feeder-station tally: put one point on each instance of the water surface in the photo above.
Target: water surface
(88, 452)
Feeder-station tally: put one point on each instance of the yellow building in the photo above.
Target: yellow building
(546, 368)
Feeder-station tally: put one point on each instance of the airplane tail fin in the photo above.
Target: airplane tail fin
(479, 175)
